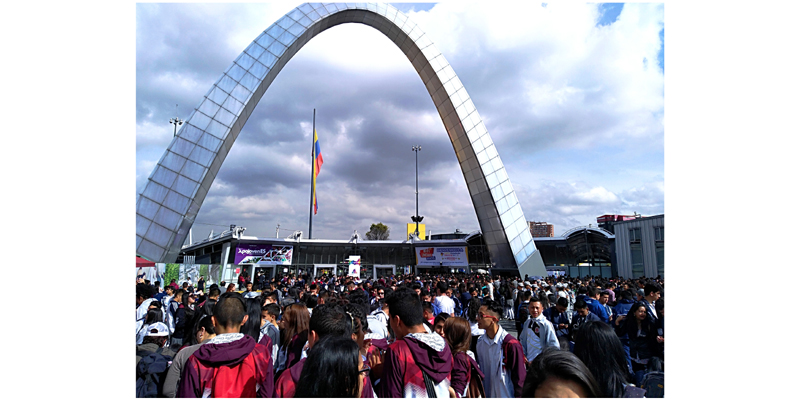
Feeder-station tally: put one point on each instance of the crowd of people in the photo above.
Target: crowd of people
(427, 335)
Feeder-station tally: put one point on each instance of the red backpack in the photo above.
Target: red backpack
(237, 381)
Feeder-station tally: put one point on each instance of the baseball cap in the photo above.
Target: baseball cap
(160, 329)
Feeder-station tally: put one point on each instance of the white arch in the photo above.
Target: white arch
(168, 205)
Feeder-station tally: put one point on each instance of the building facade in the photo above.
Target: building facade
(541, 229)
(640, 247)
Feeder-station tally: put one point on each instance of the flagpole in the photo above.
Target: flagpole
(313, 167)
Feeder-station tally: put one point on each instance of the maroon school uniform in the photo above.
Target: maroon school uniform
(405, 362)
(463, 367)
(286, 386)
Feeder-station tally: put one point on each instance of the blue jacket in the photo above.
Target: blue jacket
(556, 318)
(596, 308)
(577, 323)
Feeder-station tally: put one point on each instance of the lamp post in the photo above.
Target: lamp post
(417, 218)
(175, 121)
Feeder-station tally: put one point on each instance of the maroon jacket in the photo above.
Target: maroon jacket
(462, 371)
(200, 368)
(403, 365)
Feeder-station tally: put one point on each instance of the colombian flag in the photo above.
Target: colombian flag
(316, 165)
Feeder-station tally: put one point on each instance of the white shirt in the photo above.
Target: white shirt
(445, 304)
(533, 344)
(497, 383)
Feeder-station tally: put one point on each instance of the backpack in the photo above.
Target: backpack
(151, 372)
(653, 383)
(475, 389)
(237, 381)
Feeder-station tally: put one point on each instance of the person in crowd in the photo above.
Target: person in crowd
(201, 283)
(438, 323)
(660, 328)
(167, 293)
(537, 332)
(330, 320)
(598, 347)
(652, 292)
(428, 313)
(560, 374)
(144, 296)
(500, 356)
(177, 317)
(188, 301)
(472, 316)
(443, 301)
(415, 356)
(522, 312)
(642, 336)
(604, 301)
(457, 334)
(215, 369)
(334, 369)
(203, 333)
(591, 299)
(154, 314)
(378, 320)
(269, 326)
(581, 316)
(557, 315)
(207, 308)
(252, 326)
(294, 334)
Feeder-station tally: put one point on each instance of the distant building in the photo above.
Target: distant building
(541, 229)
(607, 221)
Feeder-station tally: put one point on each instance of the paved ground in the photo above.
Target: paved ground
(509, 326)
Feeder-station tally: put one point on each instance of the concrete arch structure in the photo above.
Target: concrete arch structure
(171, 199)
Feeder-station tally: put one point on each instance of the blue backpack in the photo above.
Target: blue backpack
(151, 372)
(653, 383)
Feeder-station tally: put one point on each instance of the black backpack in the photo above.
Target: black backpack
(151, 372)
(653, 383)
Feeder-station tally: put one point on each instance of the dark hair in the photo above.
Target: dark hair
(273, 309)
(495, 307)
(660, 304)
(329, 319)
(356, 311)
(153, 316)
(229, 310)
(214, 291)
(626, 294)
(204, 321)
(526, 295)
(552, 362)
(599, 348)
(591, 291)
(331, 369)
(441, 317)
(252, 326)
(629, 324)
(562, 301)
(311, 301)
(651, 287)
(457, 334)
(580, 304)
(157, 340)
(472, 309)
(427, 306)
(406, 304)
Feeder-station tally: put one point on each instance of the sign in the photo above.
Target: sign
(354, 266)
(444, 256)
(410, 229)
(262, 254)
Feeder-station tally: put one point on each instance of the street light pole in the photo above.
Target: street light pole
(416, 218)
(175, 121)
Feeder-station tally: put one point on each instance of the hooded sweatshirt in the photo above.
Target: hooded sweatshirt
(229, 350)
(405, 362)
(463, 367)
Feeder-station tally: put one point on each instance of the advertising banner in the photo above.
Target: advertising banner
(354, 266)
(444, 256)
(262, 254)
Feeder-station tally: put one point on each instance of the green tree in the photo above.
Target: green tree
(378, 231)
(171, 272)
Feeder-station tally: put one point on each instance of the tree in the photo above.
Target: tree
(378, 231)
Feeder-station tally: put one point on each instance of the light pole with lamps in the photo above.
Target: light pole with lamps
(417, 218)
(175, 121)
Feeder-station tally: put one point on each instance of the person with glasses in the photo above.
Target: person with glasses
(499, 354)
(334, 369)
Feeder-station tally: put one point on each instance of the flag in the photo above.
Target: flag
(316, 165)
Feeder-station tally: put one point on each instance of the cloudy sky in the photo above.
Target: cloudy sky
(571, 94)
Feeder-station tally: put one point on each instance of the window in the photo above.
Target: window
(659, 233)
(637, 260)
(636, 235)
(660, 258)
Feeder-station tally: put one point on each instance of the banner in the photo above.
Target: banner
(354, 266)
(262, 254)
(444, 256)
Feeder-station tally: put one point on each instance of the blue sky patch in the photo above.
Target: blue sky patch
(609, 12)
(408, 7)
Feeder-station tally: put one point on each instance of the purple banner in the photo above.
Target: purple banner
(250, 253)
